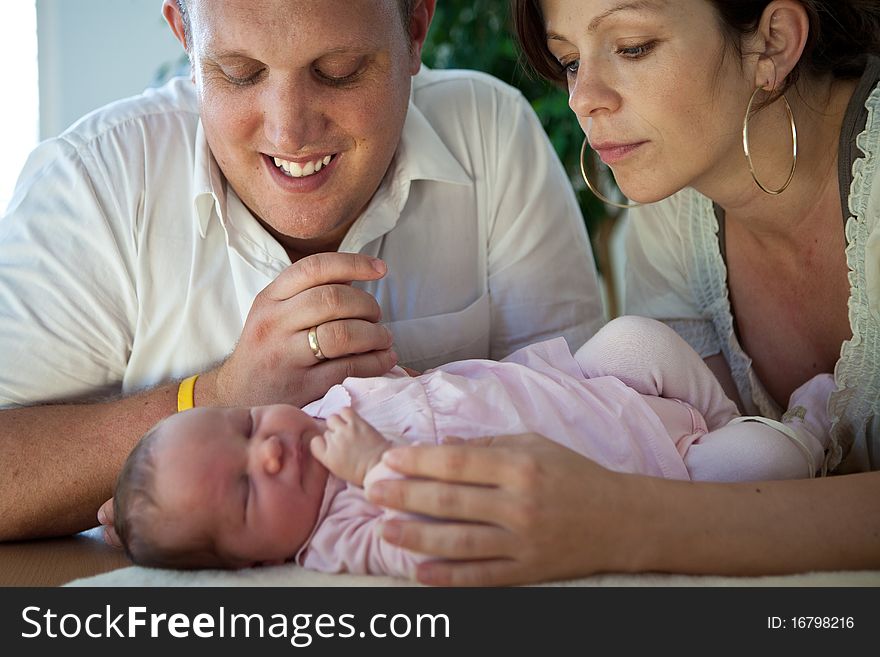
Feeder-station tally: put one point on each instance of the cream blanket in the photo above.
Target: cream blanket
(290, 575)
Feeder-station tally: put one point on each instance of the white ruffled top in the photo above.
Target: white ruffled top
(676, 273)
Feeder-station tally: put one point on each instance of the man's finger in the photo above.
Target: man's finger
(341, 338)
(105, 513)
(326, 303)
(111, 537)
(323, 269)
(332, 371)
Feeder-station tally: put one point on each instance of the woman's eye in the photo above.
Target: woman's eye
(636, 51)
(571, 68)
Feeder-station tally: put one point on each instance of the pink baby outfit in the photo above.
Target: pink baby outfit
(573, 400)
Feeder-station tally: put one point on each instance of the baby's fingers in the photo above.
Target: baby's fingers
(319, 448)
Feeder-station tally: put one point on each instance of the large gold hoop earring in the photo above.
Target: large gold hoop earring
(794, 154)
(595, 191)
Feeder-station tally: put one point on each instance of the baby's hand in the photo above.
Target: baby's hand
(349, 446)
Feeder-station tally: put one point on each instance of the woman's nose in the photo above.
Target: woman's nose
(589, 94)
(270, 454)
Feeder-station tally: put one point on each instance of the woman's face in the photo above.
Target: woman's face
(656, 88)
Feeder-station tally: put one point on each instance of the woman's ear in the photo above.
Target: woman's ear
(783, 29)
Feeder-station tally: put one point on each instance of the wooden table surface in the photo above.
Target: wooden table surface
(56, 561)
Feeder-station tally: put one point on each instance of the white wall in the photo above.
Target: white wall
(94, 51)
(19, 127)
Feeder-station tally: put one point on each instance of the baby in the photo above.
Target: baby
(238, 487)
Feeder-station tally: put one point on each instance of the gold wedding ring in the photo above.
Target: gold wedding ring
(313, 344)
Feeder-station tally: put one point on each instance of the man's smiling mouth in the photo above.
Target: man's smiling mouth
(297, 170)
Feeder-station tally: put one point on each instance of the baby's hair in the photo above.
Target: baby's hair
(137, 515)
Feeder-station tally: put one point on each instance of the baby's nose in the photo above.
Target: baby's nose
(271, 452)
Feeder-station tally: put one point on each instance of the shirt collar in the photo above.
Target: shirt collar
(422, 154)
(209, 185)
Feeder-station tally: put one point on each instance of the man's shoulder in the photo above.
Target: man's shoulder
(156, 112)
(462, 82)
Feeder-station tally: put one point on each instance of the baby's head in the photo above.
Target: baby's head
(221, 488)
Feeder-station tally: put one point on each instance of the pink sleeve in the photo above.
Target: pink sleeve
(347, 540)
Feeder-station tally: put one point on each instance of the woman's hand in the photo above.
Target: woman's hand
(519, 509)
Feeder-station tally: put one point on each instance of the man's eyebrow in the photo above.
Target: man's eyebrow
(217, 55)
(633, 5)
(355, 47)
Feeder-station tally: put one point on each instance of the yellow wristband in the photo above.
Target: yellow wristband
(185, 393)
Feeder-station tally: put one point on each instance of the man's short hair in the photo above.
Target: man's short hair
(406, 10)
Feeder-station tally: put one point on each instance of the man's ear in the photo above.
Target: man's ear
(171, 12)
(423, 12)
(783, 29)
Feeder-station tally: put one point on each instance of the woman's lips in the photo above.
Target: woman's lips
(611, 153)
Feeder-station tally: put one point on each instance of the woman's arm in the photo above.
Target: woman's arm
(533, 511)
(719, 367)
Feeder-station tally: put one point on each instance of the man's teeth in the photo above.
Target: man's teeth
(297, 170)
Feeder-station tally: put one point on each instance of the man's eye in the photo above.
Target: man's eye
(335, 74)
(337, 79)
(242, 81)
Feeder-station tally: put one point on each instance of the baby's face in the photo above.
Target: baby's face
(244, 476)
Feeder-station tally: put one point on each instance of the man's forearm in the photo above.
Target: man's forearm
(58, 463)
(759, 528)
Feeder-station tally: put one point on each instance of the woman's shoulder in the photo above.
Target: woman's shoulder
(863, 228)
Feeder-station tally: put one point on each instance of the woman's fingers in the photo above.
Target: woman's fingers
(448, 540)
(484, 461)
(459, 463)
(441, 500)
(517, 509)
(490, 572)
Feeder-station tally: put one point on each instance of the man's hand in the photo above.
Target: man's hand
(105, 517)
(274, 362)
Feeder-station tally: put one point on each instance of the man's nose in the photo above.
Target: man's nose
(270, 453)
(293, 117)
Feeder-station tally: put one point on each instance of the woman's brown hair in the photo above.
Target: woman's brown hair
(842, 35)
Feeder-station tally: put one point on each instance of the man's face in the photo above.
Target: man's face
(302, 104)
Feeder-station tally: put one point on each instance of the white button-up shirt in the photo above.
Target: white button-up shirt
(126, 260)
